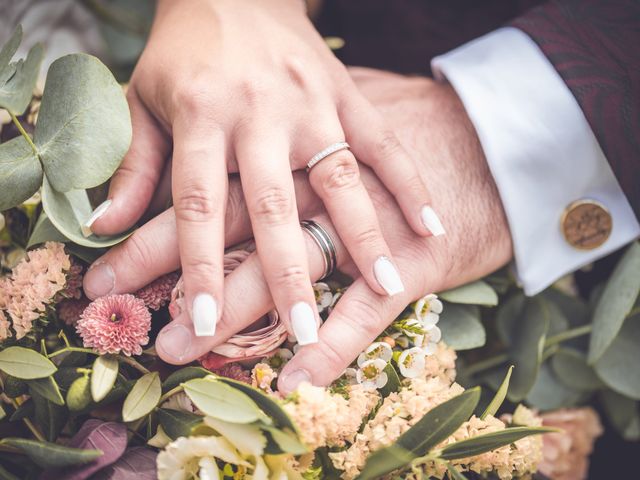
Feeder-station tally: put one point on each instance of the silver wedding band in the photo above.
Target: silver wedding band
(318, 157)
(323, 240)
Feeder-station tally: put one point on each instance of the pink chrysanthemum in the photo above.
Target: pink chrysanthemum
(158, 293)
(73, 289)
(114, 324)
(70, 309)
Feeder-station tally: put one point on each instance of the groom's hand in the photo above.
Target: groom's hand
(432, 124)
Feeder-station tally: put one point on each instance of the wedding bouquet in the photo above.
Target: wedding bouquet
(83, 394)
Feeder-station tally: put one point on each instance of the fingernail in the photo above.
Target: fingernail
(431, 220)
(175, 341)
(205, 315)
(291, 381)
(97, 213)
(99, 280)
(303, 322)
(387, 276)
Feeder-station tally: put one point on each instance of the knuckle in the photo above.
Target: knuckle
(273, 205)
(414, 186)
(202, 269)
(292, 276)
(344, 174)
(334, 358)
(195, 203)
(368, 238)
(254, 91)
(368, 321)
(194, 94)
(139, 252)
(388, 145)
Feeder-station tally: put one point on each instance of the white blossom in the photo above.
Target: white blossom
(371, 374)
(376, 350)
(412, 362)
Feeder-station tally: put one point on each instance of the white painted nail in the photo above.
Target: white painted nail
(205, 315)
(431, 220)
(387, 276)
(97, 213)
(303, 322)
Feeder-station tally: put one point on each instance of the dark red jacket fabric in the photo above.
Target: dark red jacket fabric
(593, 44)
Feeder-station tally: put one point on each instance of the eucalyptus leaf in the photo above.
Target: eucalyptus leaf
(18, 79)
(616, 301)
(183, 375)
(84, 126)
(220, 400)
(474, 293)
(549, 392)
(25, 363)
(44, 231)
(499, 397)
(527, 333)
(20, 173)
(571, 367)
(489, 441)
(623, 413)
(461, 327)
(47, 454)
(177, 423)
(617, 366)
(103, 376)
(508, 315)
(47, 388)
(143, 397)
(68, 211)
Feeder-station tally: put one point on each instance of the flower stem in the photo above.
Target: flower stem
(23, 132)
(497, 360)
(72, 349)
(170, 393)
(133, 363)
(34, 430)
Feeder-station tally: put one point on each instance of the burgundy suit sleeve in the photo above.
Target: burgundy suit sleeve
(595, 47)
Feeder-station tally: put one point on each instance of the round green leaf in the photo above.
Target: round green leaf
(617, 367)
(616, 301)
(143, 397)
(474, 293)
(623, 413)
(103, 376)
(84, 127)
(68, 211)
(570, 366)
(222, 401)
(461, 327)
(44, 231)
(26, 364)
(549, 393)
(20, 172)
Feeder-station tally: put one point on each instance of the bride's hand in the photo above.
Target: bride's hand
(251, 87)
(462, 188)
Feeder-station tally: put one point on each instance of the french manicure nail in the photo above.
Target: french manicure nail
(303, 322)
(99, 280)
(205, 315)
(291, 381)
(97, 213)
(175, 341)
(431, 221)
(387, 276)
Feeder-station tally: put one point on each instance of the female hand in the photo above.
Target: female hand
(476, 245)
(251, 87)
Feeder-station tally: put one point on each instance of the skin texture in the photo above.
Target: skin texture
(218, 89)
(431, 122)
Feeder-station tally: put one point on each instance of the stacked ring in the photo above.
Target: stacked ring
(331, 149)
(323, 240)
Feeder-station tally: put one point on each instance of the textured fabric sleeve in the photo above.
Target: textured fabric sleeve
(540, 149)
(595, 47)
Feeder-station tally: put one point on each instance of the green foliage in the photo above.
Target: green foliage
(143, 397)
(623, 413)
(461, 327)
(25, 363)
(571, 366)
(20, 172)
(47, 388)
(616, 301)
(79, 394)
(46, 454)
(177, 423)
(183, 375)
(18, 79)
(103, 376)
(474, 293)
(499, 397)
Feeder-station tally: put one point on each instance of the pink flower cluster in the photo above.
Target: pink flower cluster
(115, 324)
(31, 287)
(158, 293)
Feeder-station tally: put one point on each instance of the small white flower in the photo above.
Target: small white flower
(350, 375)
(430, 348)
(411, 362)
(427, 304)
(411, 326)
(435, 334)
(280, 358)
(324, 297)
(371, 374)
(380, 350)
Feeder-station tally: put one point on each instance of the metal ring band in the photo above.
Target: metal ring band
(323, 240)
(318, 157)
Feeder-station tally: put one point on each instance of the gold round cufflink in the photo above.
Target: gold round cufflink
(586, 224)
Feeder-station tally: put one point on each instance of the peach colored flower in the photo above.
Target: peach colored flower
(566, 454)
(158, 293)
(114, 324)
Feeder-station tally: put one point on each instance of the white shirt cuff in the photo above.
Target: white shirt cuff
(541, 151)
